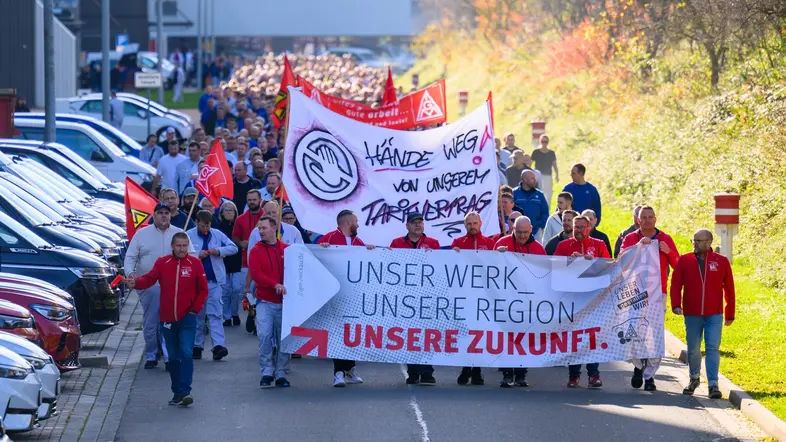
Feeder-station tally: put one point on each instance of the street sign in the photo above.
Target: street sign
(121, 40)
(147, 80)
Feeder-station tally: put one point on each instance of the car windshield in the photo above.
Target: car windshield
(20, 187)
(69, 155)
(12, 227)
(26, 210)
(106, 144)
(121, 140)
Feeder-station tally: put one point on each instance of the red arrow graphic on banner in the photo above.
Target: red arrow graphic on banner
(318, 340)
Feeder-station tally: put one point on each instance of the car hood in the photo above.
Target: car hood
(45, 288)
(10, 309)
(13, 278)
(32, 297)
(8, 357)
(22, 346)
(76, 258)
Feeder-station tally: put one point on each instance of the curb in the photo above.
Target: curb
(750, 407)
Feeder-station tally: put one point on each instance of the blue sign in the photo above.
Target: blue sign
(121, 40)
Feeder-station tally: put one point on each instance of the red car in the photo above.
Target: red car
(55, 320)
(17, 320)
(37, 283)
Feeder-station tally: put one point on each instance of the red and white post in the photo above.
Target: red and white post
(727, 219)
(538, 129)
(463, 97)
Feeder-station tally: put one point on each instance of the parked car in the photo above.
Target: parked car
(20, 392)
(18, 321)
(84, 276)
(135, 116)
(55, 320)
(37, 284)
(92, 146)
(44, 367)
(174, 113)
(131, 56)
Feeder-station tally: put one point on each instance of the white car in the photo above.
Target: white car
(91, 146)
(135, 116)
(44, 367)
(20, 392)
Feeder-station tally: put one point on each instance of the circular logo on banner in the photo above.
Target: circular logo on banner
(325, 167)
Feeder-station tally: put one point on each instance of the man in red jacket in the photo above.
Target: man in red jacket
(345, 235)
(473, 240)
(183, 295)
(417, 239)
(701, 282)
(582, 245)
(266, 267)
(520, 241)
(646, 233)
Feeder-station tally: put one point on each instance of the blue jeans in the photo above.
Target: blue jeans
(711, 327)
(211, 310)
(592, 370)
(232, 291)
(269, 332)
(179, 339)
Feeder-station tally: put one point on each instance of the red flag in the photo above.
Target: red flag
(139, 207)
(215, 178)
(281, 195)
(491, 109)
(281, 107)
(390, 96)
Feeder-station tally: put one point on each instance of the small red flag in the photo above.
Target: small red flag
(390, 96)
(215, 178)
(281, 108)
(491, 110)
(281, 194)
(139, 207)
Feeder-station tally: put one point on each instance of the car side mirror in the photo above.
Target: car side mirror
(142, 114)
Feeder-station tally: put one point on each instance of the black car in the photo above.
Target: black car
(83, 275)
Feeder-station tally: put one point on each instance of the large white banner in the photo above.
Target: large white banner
(334, 163)
(484, 308)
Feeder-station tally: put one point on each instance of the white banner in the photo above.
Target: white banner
(484, 308)
(334, 163)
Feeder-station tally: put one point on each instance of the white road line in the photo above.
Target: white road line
(416, 408)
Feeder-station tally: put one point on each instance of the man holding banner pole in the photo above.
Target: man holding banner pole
(417, 239)
(473, 240)
(344, 235)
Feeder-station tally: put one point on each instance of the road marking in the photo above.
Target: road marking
(416, 408)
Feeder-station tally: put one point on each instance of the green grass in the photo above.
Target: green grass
(753, 348)
(190, 100)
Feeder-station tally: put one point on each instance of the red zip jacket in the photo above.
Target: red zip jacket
(183, 286)
(477, 242)
(531, 247)
(665, 260)
(337, 238)
(590, 246)
(244, 225)
(266, 265)
(703, 296)
(423, 243)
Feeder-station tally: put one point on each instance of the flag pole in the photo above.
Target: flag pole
(191, 211)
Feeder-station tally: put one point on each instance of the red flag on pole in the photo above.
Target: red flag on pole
(390, 96)
(281, 107)
(491, 109)
(139, 207)
(215, 178)
(281, 195)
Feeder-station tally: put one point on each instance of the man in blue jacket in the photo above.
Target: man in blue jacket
(532, 201)
(585, 195)
(212, 246)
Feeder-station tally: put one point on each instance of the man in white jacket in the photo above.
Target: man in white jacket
(213, 246)
(148, 244)
(554, 223)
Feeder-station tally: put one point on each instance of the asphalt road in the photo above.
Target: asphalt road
(230, 405)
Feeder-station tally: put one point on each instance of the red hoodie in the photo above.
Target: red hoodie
(665, 260)
(266, 265)
(337, 238)
(703, 296)
(590, 246)
(477, 242)
(423, 243)
(244, 225)
(183, 286)
(531, 247)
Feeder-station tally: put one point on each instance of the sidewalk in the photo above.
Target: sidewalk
(93, 398)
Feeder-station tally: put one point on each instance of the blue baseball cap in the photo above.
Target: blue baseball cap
(412, 216)
(162, 206)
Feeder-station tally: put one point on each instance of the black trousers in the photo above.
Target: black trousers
(417, 369)
(517, 372)
(342, 365)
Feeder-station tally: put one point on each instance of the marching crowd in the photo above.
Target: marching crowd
(208, 261)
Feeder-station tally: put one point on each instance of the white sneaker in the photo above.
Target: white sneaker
(338, 380)
(351, 377)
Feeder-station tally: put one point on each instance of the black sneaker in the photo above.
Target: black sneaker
(175, 400)
(296, 356)
(197, 353)
(228, 323)
(476, 378)
(463, 378)
(186, 400)
(521, 381)
(413, 379)
(149, 365)
(649, 385)
(266, 382)
(507, 381)
(282, 382)
(638, 378)
(428, 379)
(219, 352)
(691, 387)
(235, 320)
(715, 392)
